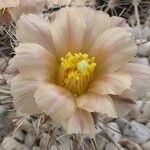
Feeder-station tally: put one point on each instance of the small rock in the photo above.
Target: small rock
(146, 146)
(20, 136)
(2, 111)
(138, 105)
(111, 146)
(144, 49)
(146, 109)
(44, 142)
(10, 143)
(140, 41)
(143, 61)
(30, 139)
(134, 130)
(53, 147)
(36, 148)
(147, 96)
(64, 143)
(101, 142)
(148, 124)
(143, 108)
(146, 32)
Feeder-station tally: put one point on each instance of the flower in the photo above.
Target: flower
(76, 65)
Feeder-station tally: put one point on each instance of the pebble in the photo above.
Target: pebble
(142, 60)
(2, 111)
(147, 96)
(140, 41)
(111, 146)
(144, 49)
(143, 108)
(36, 148)
(138, 105)
(101, 142)
(146, 109)
(64, 143)
(44, 142)
(30, 139)
(53, 147)
(135, 131)
(10, 143)
(20, 136)
(148, 124)
(146, 146)
(146, 32)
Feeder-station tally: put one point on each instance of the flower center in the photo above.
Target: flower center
(75, 72)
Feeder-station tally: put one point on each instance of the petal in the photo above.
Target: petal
(96, 103)
(23, 92)
(96, 23)
(119, 22)
(113, 48)
(123, 106)
(68, 31)
(80, 123)
(34, 29)
(113, 83)
(55, 101)
(34, 62)
(141, 80)
(11, 71)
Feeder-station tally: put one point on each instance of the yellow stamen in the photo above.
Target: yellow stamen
(75, 72)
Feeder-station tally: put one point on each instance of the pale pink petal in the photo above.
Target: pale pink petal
(113, 48)
(113, 83)
(9, 3)
(34, 29)
(11, 71)
(141, 80)
(55, 101)
(96, 23)
(119, 22)
(34, 62)
(97, 103)
(80, 123)
(68, 30)
(23, 92)
(123, 106)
